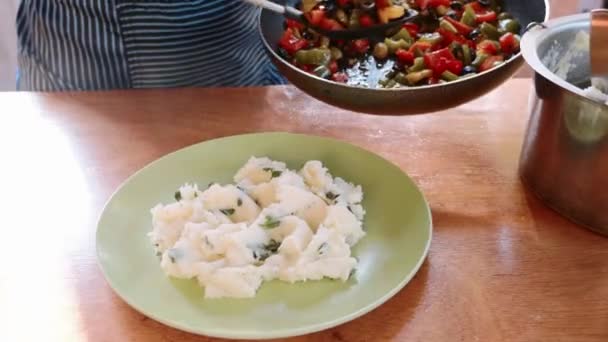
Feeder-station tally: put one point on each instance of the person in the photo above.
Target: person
(110, 44)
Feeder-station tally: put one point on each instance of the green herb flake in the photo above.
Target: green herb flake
(239, 202)
(331, 196)
(174, 254)
(262, 253)
(352, 273)
(207, 242)
(227, 212)
(270, 223)
(273, 246)
(323, 248)
(273, 173)
(178, 196)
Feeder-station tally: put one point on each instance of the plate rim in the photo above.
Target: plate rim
(260, 335)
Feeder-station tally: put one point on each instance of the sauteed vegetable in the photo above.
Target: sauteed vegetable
(450, 40)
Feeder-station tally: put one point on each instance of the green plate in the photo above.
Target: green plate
(398, 225)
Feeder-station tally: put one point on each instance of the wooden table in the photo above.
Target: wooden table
(502, 267)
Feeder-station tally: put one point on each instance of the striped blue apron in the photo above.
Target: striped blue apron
(109, 44)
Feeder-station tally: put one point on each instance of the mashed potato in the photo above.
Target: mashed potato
(273, 223)
(562, 60)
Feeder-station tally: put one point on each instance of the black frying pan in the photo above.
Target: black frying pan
(400, 101)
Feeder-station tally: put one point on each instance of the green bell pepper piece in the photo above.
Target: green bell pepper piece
(317, 56)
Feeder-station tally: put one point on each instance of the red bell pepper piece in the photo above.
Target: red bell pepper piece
(488, 16)
(315, 17)
(449, 37)
(489, 63)
(307, 68)
(443, 53)
(477, 7)
(291, 23)
(339, 77)
(365, 20)
(330, 25)
(423, 4)
(291, 43)
(455, 67)
(422, 46)
(412, 28)
(433, 80)
(405, 56)
(383, 3)
(509, 43)
(360, 45)
(439, 61)
(333, 67)
(343, 3)
(437, 3)
(462, 28)
(488, 47)
(483, 14)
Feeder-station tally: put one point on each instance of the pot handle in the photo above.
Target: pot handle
(533, 25)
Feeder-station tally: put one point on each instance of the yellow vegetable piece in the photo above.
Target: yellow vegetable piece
(386, 14)
(308, 5)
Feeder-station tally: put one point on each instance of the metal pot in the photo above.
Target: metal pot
(564, 160)
(400, 101)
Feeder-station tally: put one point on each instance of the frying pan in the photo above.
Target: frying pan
(399, 101)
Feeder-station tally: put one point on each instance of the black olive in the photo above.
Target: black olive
(307, 35)
(368, 5)
(456, 5)
(283, 53)
(328, 6)
(469, 69)
(484, 3)
(475, 33)
(452, 14)
(473, 54)
(433, 14)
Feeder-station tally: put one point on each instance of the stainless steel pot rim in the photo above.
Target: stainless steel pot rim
(513, 59)
(529, 48)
